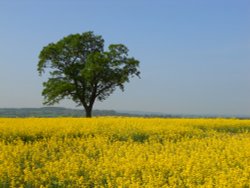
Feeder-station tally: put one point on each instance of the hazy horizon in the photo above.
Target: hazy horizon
(195, 56)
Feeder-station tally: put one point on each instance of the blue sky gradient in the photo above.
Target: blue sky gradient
(195, 55)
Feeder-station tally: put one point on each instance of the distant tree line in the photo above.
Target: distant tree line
(50, 112)
(66, 112)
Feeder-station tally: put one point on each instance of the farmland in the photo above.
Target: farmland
(124, 152)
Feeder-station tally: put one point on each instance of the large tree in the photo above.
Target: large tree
(81, 70)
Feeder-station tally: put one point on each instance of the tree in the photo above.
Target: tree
(81, 70)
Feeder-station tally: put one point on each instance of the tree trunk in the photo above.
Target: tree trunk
(88, 112)
(88, 107)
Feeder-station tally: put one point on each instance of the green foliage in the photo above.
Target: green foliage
(140, 137)
(81, 70)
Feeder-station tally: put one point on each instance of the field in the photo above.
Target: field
(124, 152)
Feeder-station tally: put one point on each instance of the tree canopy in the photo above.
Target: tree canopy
(80, 69)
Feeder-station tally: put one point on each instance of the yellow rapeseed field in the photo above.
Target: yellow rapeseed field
(124, 152)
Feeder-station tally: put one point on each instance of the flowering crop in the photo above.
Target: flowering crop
(124, 152)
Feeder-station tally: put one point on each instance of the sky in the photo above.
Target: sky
(194, 55)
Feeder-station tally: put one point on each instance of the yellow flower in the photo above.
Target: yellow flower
(124, 152)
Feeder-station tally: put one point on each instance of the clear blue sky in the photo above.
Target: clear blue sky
(195, 55)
